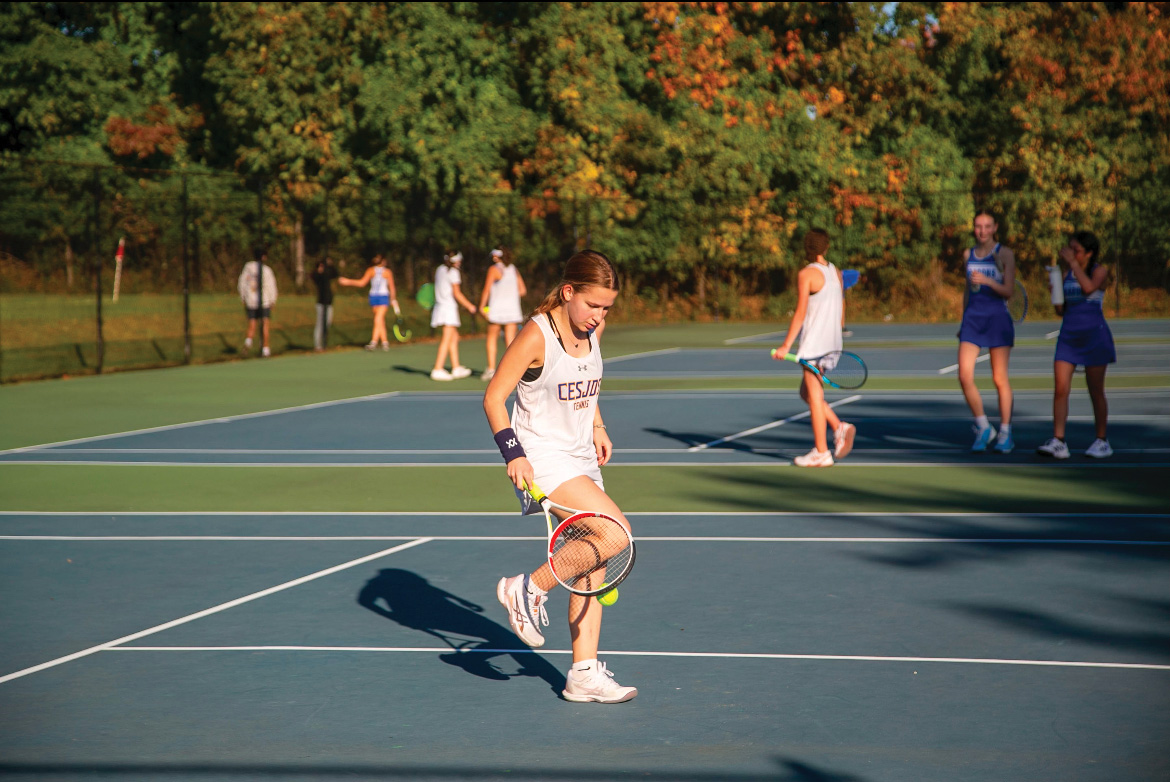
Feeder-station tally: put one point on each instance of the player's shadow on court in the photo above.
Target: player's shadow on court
(412, 601)
(692, 439)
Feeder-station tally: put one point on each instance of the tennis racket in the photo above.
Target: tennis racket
(426, 295)
(401, 333)
(838, 369)
(589, 553)
(1018, 303)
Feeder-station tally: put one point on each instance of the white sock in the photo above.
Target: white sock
(584, 665)
(533, 589)
(981, 422)
(247, 342)
(1005, 430)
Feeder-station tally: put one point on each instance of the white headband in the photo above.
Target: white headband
(497, 253)
(456, 258)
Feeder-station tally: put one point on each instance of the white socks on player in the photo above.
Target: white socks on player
(584, 665)
(981, 422)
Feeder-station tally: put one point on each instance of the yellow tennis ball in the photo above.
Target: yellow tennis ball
(608, 598)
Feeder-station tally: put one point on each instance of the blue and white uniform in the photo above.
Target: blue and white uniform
(504, 298)
(1085, 338)
(380, 288)
(986, 320)
(554, 412)
(446, 309)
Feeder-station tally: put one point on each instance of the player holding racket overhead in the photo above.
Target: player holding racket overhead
(818, 320)
(991, 278)
(556, 438)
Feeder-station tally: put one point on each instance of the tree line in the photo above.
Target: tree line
(693, 142)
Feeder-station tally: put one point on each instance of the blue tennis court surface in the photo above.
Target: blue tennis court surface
(834, 646)
(984, 644)
(682, 427)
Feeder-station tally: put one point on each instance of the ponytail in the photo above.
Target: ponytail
(586, 269)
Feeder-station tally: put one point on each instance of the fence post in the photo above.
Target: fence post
(95, 250)
(1116, 244)
(186, 281)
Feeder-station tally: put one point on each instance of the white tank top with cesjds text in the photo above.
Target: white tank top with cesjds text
(554, 413)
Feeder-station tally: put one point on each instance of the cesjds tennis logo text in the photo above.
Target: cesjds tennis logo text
(579, 392)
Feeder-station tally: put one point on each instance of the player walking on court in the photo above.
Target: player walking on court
(445, 315)
(818, 320)
(383, 294)
(991, 277)
(1085, 339)
(557, 438)
(500, 304)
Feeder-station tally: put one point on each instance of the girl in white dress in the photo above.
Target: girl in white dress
(556, 436)
(500, 304)
(445, 315)
(818, 320)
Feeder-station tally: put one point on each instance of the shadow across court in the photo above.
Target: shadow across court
(788, 771)
(412, 601)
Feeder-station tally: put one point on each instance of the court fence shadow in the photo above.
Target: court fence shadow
(413, 602)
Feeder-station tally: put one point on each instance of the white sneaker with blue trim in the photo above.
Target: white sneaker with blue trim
(1100, 449)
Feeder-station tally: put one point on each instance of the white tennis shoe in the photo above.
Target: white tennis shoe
(814, 458)
(458, 373)
(441, 374)
(595, 685)
(1100, 449)
(1057, 449)
(525, 610)
(843, 440)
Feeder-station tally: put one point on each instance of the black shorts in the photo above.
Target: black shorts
(265, 313)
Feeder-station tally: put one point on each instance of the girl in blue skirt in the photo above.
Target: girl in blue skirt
(991, 277)
(1084, 340)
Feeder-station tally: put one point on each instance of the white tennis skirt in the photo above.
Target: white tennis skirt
(551, 470)
(445, 314)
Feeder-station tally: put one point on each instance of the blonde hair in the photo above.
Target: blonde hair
(586, 269)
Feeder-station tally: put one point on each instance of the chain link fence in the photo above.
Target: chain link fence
(70, 305)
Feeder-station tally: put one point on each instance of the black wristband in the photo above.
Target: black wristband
(509, 444)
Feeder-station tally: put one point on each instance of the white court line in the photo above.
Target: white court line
(779, 463)
(671, 513)
(514, 538)
(1052, 334)
(210, 611)
(953, 367)
(765, 427)
(615, 653)
(662, 352)
(227, 419)
(754, 337)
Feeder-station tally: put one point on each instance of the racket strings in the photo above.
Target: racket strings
(590, 552)
(846, 370)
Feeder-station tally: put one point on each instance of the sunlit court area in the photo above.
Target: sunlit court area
(261, 267)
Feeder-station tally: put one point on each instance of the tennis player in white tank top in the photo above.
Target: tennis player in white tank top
(557, 437)
(500, 304)
(818, 320)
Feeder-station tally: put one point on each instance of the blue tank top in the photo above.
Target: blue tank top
(1081, 310)
(982, 298)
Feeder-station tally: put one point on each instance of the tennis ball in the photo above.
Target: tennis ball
(608, 598)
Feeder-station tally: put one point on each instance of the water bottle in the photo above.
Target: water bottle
(1056, 283)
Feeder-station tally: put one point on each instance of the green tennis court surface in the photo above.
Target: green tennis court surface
(286, 569)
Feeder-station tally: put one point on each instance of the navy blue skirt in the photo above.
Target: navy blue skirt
(988, 328)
